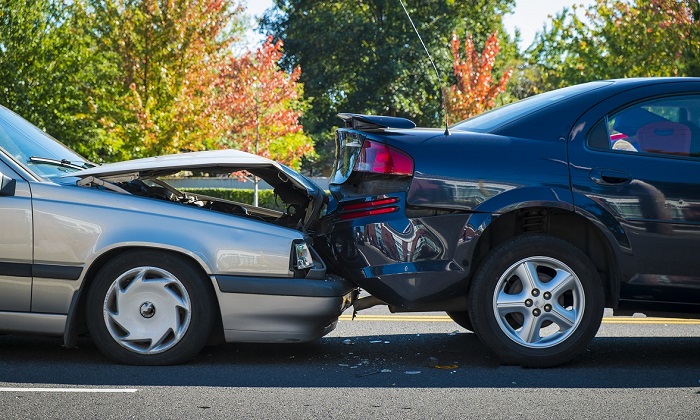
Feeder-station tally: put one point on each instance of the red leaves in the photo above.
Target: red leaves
(261, 105)
(475, 90)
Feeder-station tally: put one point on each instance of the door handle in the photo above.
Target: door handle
(609, 176)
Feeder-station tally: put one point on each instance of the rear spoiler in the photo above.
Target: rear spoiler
(370, 122)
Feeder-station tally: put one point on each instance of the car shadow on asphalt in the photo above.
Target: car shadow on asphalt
(400, 360)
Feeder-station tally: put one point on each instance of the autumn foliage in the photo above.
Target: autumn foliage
(670, 26)
(476, 89)
(261, 106)
(616, 39)
(135, 78)
(166, 53)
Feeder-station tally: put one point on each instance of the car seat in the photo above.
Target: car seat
(665, 137)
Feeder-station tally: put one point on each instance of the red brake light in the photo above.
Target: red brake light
(382, 159)
(368, 208)
(369, 204)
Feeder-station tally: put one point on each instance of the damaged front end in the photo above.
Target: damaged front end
(270, 283)
(298, 205)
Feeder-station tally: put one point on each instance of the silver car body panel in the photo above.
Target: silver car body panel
(75, 226)
(16, 246)
(72, 227)
(269, 318)
(22, 322)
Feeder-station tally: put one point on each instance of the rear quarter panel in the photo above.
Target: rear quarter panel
(483, 172)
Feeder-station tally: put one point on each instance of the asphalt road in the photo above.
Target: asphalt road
(373, 367)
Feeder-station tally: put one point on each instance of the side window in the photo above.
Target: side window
(666, 126)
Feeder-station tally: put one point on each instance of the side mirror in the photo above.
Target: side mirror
(7, 185)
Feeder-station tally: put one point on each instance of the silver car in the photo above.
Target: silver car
(152, 273)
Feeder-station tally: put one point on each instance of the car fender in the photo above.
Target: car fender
(485, 214)
(78, 229)
(519, 198)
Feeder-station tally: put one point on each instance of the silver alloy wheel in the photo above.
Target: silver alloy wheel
(538, 302)
(147, 310)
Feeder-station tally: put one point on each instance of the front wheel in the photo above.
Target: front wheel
(150, 308)
(536, 301)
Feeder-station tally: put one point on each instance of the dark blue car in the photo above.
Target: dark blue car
(524, 222)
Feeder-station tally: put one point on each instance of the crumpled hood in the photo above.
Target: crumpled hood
(207, 161)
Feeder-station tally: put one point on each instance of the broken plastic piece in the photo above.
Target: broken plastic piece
(445, 366)
(368, 373)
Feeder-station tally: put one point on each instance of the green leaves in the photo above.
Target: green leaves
(363, 56)
(168, 55)
(615, 39)
(48, 70)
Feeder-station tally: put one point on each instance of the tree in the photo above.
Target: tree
(364, 56)
(475, 90)
(620, 39)
(262, 105)
(168, 54)
(49, 71)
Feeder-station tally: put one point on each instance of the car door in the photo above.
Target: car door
(636, 157)
(15, 242)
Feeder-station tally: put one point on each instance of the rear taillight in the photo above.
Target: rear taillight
(368, 208)
(382, 159)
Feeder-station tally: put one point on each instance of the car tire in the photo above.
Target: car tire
(536, 301)
(462, 319)
(150, 308)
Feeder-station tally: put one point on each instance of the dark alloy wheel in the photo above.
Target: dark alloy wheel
(536, 301)
(150, 308)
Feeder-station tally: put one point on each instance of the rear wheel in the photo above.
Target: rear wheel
(536, 301)
(150, 308)
(462, 319)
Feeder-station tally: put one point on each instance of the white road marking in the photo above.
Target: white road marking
(87, 390)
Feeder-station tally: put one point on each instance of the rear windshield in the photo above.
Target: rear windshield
(484, 123)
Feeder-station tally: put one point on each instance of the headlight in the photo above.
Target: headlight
(302, 256)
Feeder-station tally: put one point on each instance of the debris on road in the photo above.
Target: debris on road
(368, 373)
(433, 362)
(446, 366)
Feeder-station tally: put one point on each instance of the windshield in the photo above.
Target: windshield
(484, 123)
(35, 149)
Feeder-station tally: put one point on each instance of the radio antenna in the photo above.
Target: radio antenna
(442, 93)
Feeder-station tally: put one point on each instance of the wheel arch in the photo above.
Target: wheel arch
(560, 223)
(76, 321)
